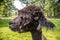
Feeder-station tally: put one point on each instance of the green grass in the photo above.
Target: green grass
(4, 23)
(7, 34)
(53, 35)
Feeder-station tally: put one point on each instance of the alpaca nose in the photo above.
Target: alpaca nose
(12, 26)
(11, 22)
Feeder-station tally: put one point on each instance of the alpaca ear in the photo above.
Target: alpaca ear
(50, 25)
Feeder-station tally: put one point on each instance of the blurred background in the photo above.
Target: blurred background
(9, 10)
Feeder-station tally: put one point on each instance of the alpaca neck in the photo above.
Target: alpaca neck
(36, 35)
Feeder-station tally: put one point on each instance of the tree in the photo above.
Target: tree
(6, 7)
(51, 7)
(28, 2)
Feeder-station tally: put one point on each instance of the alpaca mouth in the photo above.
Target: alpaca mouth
(13, 28)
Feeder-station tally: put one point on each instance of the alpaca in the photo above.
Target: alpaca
(30, 19)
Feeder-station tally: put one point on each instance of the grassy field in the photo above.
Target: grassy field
(7, 34)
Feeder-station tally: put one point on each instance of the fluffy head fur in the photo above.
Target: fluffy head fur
(28, 19)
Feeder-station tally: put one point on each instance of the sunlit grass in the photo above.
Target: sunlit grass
(53, 34)
(7, 34)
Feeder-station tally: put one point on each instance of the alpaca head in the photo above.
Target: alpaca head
(28, 19)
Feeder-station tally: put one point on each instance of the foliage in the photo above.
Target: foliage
(51, 7)
(57, 9)
(6, 7)
(28, 2)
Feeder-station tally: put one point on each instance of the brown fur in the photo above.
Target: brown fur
(30, 19)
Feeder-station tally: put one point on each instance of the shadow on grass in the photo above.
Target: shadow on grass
(4, 22)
